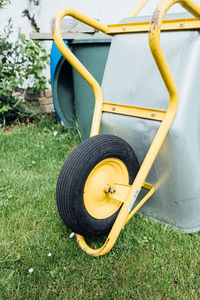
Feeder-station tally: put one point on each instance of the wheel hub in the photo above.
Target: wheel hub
(99, 186)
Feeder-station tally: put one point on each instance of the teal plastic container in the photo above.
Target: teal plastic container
(73, 98)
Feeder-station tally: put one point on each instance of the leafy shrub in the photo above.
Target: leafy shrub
(3, 3)
(21, 65)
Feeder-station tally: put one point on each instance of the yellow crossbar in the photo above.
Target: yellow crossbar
(140, 112)
(167, 25)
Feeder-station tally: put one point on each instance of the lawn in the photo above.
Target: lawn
(149, 260)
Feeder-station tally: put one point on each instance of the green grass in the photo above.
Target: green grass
(149, 260)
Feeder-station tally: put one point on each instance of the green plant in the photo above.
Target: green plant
(36, 2)
(3, 3)
(8, 82)
(26, 13)
(31, 59)
(21, 66)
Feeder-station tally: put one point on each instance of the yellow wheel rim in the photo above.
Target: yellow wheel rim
(105, 174)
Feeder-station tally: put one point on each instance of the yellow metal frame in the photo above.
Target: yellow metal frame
(137, 8)
(140, 112)
(167, 25)
(130, 193)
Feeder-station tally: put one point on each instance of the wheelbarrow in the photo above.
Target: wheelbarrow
(100, 185)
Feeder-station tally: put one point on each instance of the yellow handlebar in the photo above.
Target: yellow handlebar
(137, 8)
(71, 58)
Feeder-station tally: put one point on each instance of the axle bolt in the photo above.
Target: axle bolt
(111, 190)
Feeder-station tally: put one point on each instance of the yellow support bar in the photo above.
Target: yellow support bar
(167, 25)
(140, 112)
(121, 190)
(140, 204)
(138, 7)
(148, 186)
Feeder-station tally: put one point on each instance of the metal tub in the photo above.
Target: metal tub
(136, 81)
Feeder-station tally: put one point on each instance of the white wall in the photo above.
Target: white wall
(14, 12)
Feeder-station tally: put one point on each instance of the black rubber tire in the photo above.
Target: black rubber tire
(74, 173)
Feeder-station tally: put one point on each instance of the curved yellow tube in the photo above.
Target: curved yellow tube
(137, 8)
(76, 63)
